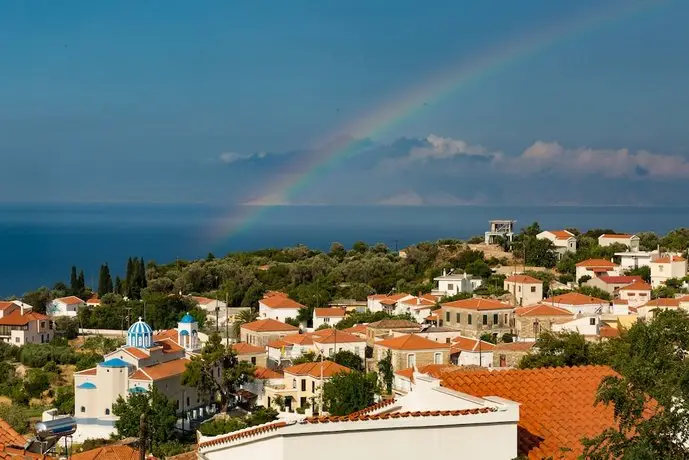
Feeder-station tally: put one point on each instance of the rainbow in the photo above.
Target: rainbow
(376, 123)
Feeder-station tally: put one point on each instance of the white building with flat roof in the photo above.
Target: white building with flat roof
(500, 229)
(450, 284)
(634, 259)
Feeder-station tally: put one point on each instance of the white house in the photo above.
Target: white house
(278, 306)
(596, 267)
(327, 316)
(262, 377)
(636, 294)
(324, 342)
(208, 304)
(429, 416)
(563, 240)
(667, 267)
(577, 303)
(467, 351)
(649, 309)
(525, 289)
(419, 307)
(499, 229)
(586, 325)
(631, 260)
(19, 327)
(608, 239)
(148, 359)
(385, 302)
(450, 284)
(65, 306)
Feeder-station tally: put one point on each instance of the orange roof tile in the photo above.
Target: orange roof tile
(541, 310)
(477, 304)
(274, 294)
(598, 263)
(435, 370)
(329, 312)
(394, 324)
(5, 305)
(619, 279)
(662, 302)
(166, 334)
(269, 325)
(575, 298)
(330, 368)
(108, 453)
(136, 352)
(466, 344)
(412, 342)
(524, 279)
(637, 286)
(263, 373)
(556, 405)
(93, 299)
(561, 234)
(607, 331)
(278, 301)
(70, 300)
(396, 415)
(331, 335)
(170, 346)
(17, 319)
(10, 437)
(623, 236)
(243, 348)
(407, 373)
(358, 329)
(667, 259)
(139, 375)
(164, 370)
(243, 434)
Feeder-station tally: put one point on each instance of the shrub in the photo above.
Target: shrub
(36, 382)
(221, 426)
(15, 416)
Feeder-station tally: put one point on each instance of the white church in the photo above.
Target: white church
(148, 359)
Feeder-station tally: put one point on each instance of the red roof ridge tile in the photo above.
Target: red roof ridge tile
(358, 417)
(243, 434)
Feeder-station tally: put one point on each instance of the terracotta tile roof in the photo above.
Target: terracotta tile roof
(279, 343)
(561, 234)
(477, 304)
(269, 325)
(407, 373)
(472, 345)
(278, 301)
(412, 342)
(575, 298)
(263, 373)
(10, 437)
(191, 455)
(396, 415)
(541, 310)
(5, 305)
(243, 434)
(556, 405)
(662, 302)
(394, 324)
(620, 302)
(243, 348)
(388, 301)
(202, 300)
(637, 286)
(515, 346)
(607, 331)
(108, 453)
(139, 375)
(136, 352)
(166, 334)
(623, 236)
(330, 368)
(598, 263)
(18, 453)
(70, 300)
(298, 339)
(91, 371)
(170, 346)
(274, 294)
(329, 312)
(335, 336)
(431, 317)
(164, 370)
(17, 319)
(436, 370)
(358, 329)
(667, 259)
(524, 279)
(419, 302)
(611, 279)
(93, 299)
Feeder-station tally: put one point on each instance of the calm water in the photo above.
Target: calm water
(39, 243)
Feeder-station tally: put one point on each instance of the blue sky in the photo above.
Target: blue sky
(172, 101)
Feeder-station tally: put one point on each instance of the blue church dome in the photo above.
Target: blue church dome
(87, 386)
(140, 335)
(187, 319)
(114, 362)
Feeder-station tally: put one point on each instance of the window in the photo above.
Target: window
(450, 286)
(447, 340)
(469, 318)
(326, 320)
(330, 351)
(519, 289)
(592, 321)
(660, 268)
(411, 360)
(313, 386)
(459, 317)
(495, 318)
(485, 320)
(107, 411)
(253, 360)
(294, 383)
(437, 358)
(42, 324)
(533, 288)
(303, 384)
(447, 316)
(83, 409)
(188, 401)
(505, 318)
(16, 339)
(356, 350)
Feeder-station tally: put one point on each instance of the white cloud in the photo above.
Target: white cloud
(231, 157)
(408, 198)
(439, 148)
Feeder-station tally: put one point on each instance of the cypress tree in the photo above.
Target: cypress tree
(81, 284)
(118, 285)
(129, 278)
(142, 274)
(73, 281)
(101, 281)
(108, 279)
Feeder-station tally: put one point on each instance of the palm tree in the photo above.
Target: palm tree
(245, 316)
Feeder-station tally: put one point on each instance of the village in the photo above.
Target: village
(392, 375)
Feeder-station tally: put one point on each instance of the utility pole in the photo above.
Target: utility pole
(227, 318)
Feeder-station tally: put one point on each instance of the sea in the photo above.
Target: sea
(39, 243)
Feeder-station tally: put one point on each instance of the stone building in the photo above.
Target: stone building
(411, 350)
(475, 317)
(531, 321)
(263, 331)
(385, 327)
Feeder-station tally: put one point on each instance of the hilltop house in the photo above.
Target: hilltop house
(209, 305)
(564, 241)
(474, 317)
(385, 327)
(608, 239)
(667, 267)
(649, 309)
(631, 260)
(451, 283)
(596, 267)
(148, 359)
(586, 325)
(278, 306)
(19, 326)
(525, 289)
(250, 353)
(65, 306)
(385, 302)
(636, 294)
(418, 307)
(327, 316)
(255, 389)
(500, 229)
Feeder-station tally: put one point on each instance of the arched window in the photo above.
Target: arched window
(139, 340)
(107, 411)
(83, 409)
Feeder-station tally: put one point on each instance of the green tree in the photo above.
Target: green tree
(36, 382)
(349, 359)
(386, 372)
(38, 299)
(648, 241)
(64, 399)
(337, 251)
(650, 395)
(594, 291)
(104, 281)
(161, 416)
(564, 349)
(15, 416)
(488, 337)
(306, 357)
(360, 247)
(479, 268)
(243, 317)
(217, 372)
(74, 282)
(348, 392)
(118, 288)
(644, 272)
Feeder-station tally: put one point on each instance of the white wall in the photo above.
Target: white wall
(581, 325)
(280, 314)
(318, 321)
(470, 358)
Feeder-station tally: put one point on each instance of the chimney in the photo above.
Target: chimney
(21, 308)
(444, 272)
